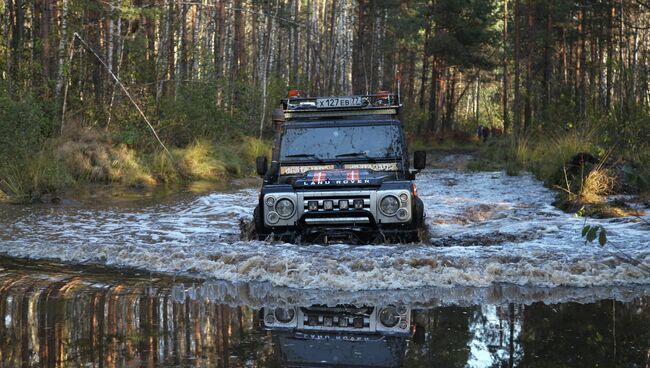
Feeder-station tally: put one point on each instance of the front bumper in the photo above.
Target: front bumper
(337, 209)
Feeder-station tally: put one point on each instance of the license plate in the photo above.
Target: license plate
(330, 102)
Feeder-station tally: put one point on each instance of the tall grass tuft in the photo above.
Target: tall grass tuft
(597, 184)
(29, 179)
(547, 157)
(199, 161)
(254, 147)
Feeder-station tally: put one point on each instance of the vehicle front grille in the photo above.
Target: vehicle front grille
(336, 203)
(326, 209)
(336, 319)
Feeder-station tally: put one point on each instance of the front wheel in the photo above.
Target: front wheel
(418, 220)
(258, 219)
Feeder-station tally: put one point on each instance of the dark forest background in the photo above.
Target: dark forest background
(212, 70)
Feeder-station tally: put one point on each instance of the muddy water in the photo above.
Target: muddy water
(505, 280)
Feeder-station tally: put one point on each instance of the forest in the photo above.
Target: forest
(144, 92)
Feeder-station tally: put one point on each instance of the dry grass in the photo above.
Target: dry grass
(199, 161)
(89, 156)
(547, 157)
(597, 184)
(126, 168)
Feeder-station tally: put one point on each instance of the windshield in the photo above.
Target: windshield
(342, 142)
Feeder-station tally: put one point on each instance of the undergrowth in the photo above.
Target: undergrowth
(85, 156)
(575, 164)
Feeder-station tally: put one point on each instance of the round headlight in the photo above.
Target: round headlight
(389, 316)
(270, 201)
(404, 197)
(284, 208)
(284, 315)
(389, 205)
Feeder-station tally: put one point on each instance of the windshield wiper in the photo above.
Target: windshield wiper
(312, 155)
(357, 154)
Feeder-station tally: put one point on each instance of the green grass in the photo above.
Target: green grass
(29, 179)
(547, 158)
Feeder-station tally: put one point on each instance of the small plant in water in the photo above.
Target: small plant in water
(590, 233)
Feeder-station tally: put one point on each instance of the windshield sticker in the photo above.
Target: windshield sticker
(335, 177)
(389, 166)
(291, 170)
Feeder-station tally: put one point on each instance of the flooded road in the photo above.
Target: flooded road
(506, 280)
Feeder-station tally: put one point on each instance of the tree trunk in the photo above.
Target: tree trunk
(425, 56)
(110, 36)
(610, 55)
(529, 70)
(506, 119)
(517, 101)
(433, 103)
(547, 63)
(17, 37)
(61, 49)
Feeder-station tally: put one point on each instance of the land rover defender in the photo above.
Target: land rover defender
(340, 171)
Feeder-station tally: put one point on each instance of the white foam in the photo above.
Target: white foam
(515, 237)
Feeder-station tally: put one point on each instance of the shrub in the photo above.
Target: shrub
(28, 179)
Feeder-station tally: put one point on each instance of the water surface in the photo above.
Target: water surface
(504, 279)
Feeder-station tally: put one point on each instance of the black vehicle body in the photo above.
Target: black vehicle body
(340, 174)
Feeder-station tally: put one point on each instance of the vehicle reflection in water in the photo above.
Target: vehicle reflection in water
(344, 335)
(55, 316)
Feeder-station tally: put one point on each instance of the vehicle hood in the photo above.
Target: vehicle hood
(343, 178)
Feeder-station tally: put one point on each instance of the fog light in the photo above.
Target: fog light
(328, 205)
(284, 315)
(343, 204)
(312, 321)
(327, 322)
(403, 325)
(358, 204)
(313, 205)
(358, 322)
(402, 214)
(273, 217)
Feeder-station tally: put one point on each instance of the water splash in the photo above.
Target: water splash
(493, 229)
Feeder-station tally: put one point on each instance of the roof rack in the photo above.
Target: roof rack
(382, 103)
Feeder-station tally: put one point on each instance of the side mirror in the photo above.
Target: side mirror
(262, 166)
(419, 160)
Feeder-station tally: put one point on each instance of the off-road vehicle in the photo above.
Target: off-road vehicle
(340, 171)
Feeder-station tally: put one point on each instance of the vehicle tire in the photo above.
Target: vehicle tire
(418, 220)
(261, 231)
